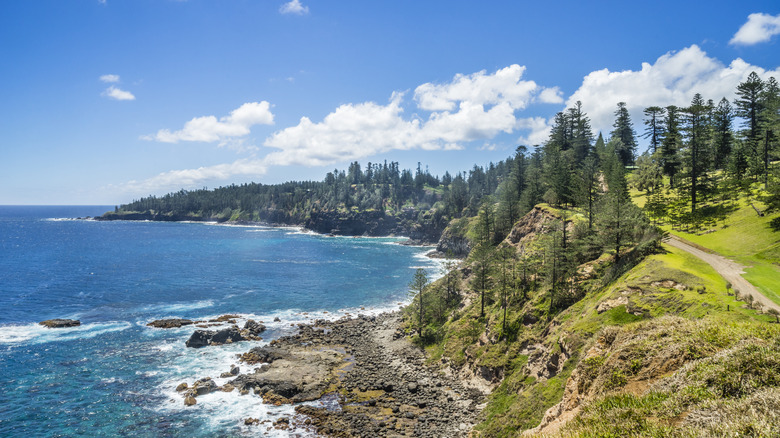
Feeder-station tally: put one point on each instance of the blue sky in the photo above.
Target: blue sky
(103, 102)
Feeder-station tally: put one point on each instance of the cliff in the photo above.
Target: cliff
(421, 228)
(662, 349)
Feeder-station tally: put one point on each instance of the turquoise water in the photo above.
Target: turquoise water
(113, 376)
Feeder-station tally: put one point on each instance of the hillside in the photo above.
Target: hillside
(627, 347)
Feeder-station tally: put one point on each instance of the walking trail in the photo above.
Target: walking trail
(728, 269)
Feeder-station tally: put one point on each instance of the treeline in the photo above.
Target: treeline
(695, 156)
(699, 162)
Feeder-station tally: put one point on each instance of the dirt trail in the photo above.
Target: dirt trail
(728, 269)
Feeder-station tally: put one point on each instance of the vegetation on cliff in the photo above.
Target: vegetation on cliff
(568, 316)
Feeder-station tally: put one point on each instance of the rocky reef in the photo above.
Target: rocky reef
(60, 323)
(371, 382)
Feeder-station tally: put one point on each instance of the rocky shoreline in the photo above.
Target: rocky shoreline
(354, 377)
(356, 224)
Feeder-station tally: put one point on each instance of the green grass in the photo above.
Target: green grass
(724, 383)
(746, 237)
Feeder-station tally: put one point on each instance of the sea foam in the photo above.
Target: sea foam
(37, 334)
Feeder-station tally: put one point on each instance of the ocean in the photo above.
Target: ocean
(113, 375)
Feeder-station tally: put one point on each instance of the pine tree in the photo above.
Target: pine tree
(748, 104)
(723, 137)
(696, 132)
(618, 218)
(654, 126)
(769, 119)
(581, 132)
(671, 143)
(588, 185)
(417, 287)
(624, 130)
(481, 268)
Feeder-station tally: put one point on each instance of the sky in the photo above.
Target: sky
(105, 101)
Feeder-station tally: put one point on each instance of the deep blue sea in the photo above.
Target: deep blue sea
(113, 375)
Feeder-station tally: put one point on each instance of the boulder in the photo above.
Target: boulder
(225, 318)
(189, 400)
(254, 327)
(200, 338)
(170, 323)
(204, 386)
(60, 323)
(203, 338)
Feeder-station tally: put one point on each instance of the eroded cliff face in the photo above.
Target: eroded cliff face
(535, 223)
(351, 223)
(376, 223)
(454, 242)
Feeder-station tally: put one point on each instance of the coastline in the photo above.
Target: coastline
(366, 224)
(409, 241)
(355, 376)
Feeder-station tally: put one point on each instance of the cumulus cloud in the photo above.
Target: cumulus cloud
(469, 108)
(210, 129)
(294, 7)
(109, 78)
(115, 93)
(672, 80)
(351, 131)
(176, 179)
(539, 128)
(759, 28)
(504, 86)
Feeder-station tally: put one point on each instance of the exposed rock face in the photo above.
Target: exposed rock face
(296, 373)
(453, 242)
(60, 323)
(170, 323)
(204, 338)
(535, 222)
(375, 223)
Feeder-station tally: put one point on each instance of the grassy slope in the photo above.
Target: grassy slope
(520, 400)
(745, 237)
(725, 382)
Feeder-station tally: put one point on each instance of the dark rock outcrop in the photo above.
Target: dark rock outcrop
(60, 323)
(454, 241)
(203, 338)
(170, 323)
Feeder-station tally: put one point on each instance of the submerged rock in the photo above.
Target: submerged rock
(60, 323)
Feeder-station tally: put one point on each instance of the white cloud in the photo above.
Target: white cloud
(176, 179)
(225, 129)
(504, 86)
(470, 107)
(294, 7)
(551, 95)
(115, 93)
(759, 28)
(475, 107)
(539, 128)
(350, 132)
(109, 78)
(672, 80)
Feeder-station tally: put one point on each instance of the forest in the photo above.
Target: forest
(699, 157)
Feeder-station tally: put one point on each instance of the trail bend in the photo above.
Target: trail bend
(730, 270)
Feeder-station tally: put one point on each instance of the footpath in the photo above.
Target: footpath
(730, 270)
